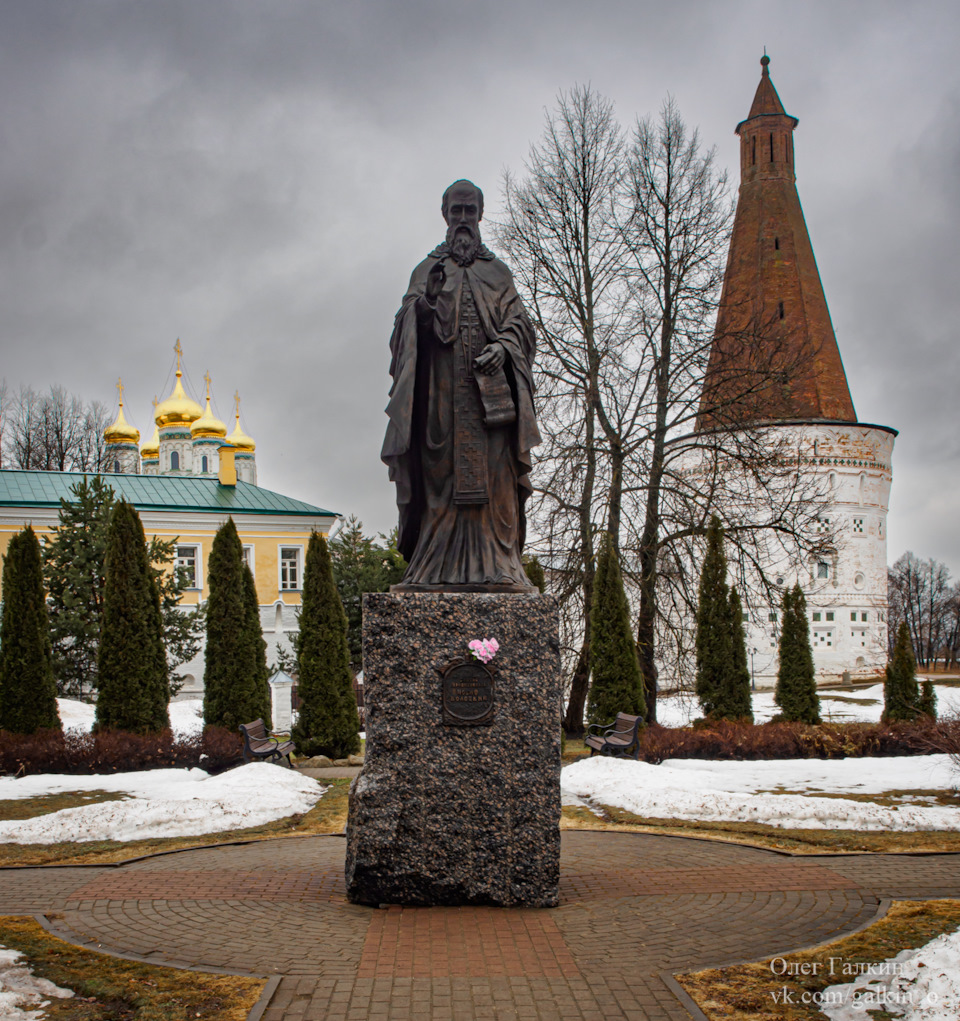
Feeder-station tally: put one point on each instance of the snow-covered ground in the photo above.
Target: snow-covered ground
(21, 990)
(846, 705)
(916, 985)
(161, 803)
(712, 791)
(186, 717)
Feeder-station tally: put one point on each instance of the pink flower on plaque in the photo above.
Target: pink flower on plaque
(484, 649)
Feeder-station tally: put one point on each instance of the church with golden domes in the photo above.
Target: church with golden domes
(185, 481)
(187, 439)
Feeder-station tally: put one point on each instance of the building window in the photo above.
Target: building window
(776, 244)
(746, 617)
(186, 564)
(203, 464)
(174, 461)
(853, 614)
(858, 525)
(823, 569)
(780, 312)
(823, 525)
(248, 557)
(863, 617)
(816, 615)
(829, 614)
(772, 616)
(822, 638)
(881, 616)
(880, 528)
(289, 568)
(116, 467)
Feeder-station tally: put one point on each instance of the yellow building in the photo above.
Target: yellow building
(185, 482)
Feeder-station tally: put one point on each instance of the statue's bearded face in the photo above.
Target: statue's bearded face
(463, 225)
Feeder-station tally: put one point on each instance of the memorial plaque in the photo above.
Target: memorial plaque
(467, 694)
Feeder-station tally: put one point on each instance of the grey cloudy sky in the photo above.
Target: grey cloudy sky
(259, 178)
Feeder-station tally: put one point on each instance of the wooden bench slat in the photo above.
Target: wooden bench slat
(616, 738)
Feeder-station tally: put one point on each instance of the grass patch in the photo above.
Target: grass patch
(575, 749)
(45, 804)
(110, 989)
(888, 799)
(328, 815)
(798, 841)
(849, 698)
(747, 992)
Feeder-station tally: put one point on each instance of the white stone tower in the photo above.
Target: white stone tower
(772, 279)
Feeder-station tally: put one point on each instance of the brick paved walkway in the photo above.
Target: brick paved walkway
(634, 907)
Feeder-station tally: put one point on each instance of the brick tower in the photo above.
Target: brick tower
(775, 366)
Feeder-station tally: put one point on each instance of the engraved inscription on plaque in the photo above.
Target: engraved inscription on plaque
(467, 694)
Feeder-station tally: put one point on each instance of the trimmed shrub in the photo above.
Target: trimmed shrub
(132, 664)
(116, 751)
(28, 692)
(901, 695)
(328, 723)
(617, 685)
(235, 688)
(796, 691)
(738, 702)
(727, 739)
(723, 680)
(928, 700)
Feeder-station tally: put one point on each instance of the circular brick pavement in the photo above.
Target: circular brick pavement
(633, 907)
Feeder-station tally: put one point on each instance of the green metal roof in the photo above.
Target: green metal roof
(152, 492)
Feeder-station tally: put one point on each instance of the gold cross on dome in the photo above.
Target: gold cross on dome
(206, 376)
(179, 350)
(236, 398)
(120, 390)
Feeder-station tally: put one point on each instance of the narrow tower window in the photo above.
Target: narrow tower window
(753, 155)
(174, 461)
(203, 464)
(780, 309)
(776, 244)
(771, 146)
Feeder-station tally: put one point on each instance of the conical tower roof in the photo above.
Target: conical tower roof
(774, 354)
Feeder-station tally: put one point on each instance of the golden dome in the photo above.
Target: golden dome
(207, 425)
(151, 451)
(121, 431)
(178, 408)
(238, 438)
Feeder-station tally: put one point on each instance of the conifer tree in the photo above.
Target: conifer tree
(796, 690)
(328, 723)
(134, 689)
(260, 703)
(738, 702)
(235, 686)
(901, 695)
(928, 700)
(74, 576)
(714, 641)
(535, 573)
(28, 693)
(617, 686)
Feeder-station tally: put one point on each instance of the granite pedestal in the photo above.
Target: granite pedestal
(458, 801)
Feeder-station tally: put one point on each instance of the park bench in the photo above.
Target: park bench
(258, 744)
(618, 739)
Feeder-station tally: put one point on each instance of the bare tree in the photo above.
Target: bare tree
(54, 431)
(618, 246)
(561, 234)
(919, 592)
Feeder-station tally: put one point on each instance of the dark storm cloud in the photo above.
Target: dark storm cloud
(260, 178)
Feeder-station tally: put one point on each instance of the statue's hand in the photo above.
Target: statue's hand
(436, 278)
(491, 358)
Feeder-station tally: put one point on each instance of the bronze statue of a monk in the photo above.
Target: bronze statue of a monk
(462, 422)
